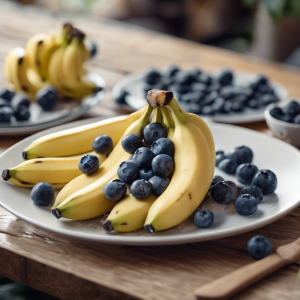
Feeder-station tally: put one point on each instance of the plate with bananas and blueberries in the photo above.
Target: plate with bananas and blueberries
(157, 176)
(49, 82)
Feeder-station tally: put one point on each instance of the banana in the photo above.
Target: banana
(168, 122)
(90, 202)
(192, 175)
(79, 140)
(129, 214)
(56, 171)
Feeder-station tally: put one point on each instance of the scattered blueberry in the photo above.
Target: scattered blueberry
(297, 119)
(184, 77)
(225, 77)
(159, 185)
(152, 76)
(254, 191)
(128, 171)
(143, 157)
(6, 114)
(163, 146)
(221, 192)
(146, 174)
(292, 108)
(259, 247)
(162, 165)
(228, 166)
(102, 144)
(47, 97)
(241, 155)
(219, 158)
(115, 190)
(246, 204)
(94, 49)
(4, 103)
(18, 101)
(216, 179)
(266, 181)
(23, 114)
(204, 218)
(42, 194)
(153, 132)
(140, 189)
(245, 173)
(6, 94)
(204, 78)
(88, 164)
(261, 80)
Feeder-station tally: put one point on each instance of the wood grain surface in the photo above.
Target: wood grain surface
(75, 269)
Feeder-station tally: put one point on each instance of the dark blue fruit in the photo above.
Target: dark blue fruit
(253, 103)
(228, 166)
(204, 78)
(225, 77)
(245, 173)
(259, 247)
(221, 192)
(170, 71)
(131, 143)
(102, 144)
(162, 165)
(220, 152)
(159, 185)
(6, 114)
(163, 146)
(277, 113)
(120, 99)
(4, 103)
(140, 189)
(297, 119)
(268, 99)
(128, 171)
(254, 191)
(94, 49)
(241, 155)
(246, 204)
(23, 114)
(146, 174)
(216, 179)
(6, 94)
(47, 98)
(152, 76)
(184, 77)
(115, 190)
(266, 181)
(88, 164)
(292, 108)
(143, 157)
(18, 101)
(204, 218)
(219, 158)
(153, 132)
(42, 194)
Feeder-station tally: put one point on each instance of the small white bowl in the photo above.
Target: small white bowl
(288, 132)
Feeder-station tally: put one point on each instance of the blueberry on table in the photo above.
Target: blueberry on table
(146, 174)
(140, 189)
(102, 144)
(296, 120)
(254, 191)
(4, 103)
(88, 164)
(6, 114)
(259, 247)
(220, 152)
(228, 166)
(219, 158)
(246, 204)
(204, 218)
(94, 49)
(153, 132)
(152, 76)
(18, 101)
(115, 190)
(225, 77)
(131, 143)
(266, 181)
(47, 98)
(162, 165)
(6, 94)
(143, 157)
(120, 99)
(292, 108)
(241, 155)
(159, 185)
(221, 192)
(23, 114)
(42, 194)
(128, 171)
(163, 146)
(245, 173)
(215, 180)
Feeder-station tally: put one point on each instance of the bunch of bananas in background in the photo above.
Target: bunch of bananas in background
(52, 59)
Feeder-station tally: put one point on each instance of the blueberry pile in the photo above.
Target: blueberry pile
(148, 170)
(289, 113)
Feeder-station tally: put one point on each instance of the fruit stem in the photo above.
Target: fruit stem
(159, 98)
(176, 111)
(167, 119)
(56, 213)
(157, 115)
(6, 175)
(108, 226)
(24, 154)
(146, 115)
(149, 228)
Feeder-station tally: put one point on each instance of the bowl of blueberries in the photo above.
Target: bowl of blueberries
(284, 121)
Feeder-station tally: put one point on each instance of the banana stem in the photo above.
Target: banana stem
(157, 115)
(176, 111)
(167, 119)
(146, 115)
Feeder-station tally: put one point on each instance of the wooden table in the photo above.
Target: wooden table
(74, 269)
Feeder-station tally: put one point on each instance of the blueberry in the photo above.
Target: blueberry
(199, 87)
(268, 99)
(163, 146)
(195, 72)
(204, 78)
(245, 173)
(140, 189)
(6, 94)
(120, 99)
(143, 157)
(194, 108)
(18, 101)
(237, 106)
(146, 174)
(253, 103)
(131, 143)
(246, 204)
(102, 144)
(4, 103)
(220, 152)
(259, 247)
(159, 185)
(152, 76)
(215, 87)
(128, 171)
(23, 114)
(94, 49)
(204, 218)
(228, 166)
(296, 120)
(5, 114)
(265, 180)
(42, 194)
(47, 98)
(219, 104)
(221, 192)
(154, 131)
(88, 164)
(261, 80)
(171, 70)
(184, 77)
(227, 92)
(207, 110)
(215, 180)
(292, 108)
(179, 88)
(277, 113)
(162, 165)
(210, 99)
(219, 158)
(186, 98)
(115, 190)
(226, 108)
(241, 155)
(225, 77)
(197, 97)
(254, 191)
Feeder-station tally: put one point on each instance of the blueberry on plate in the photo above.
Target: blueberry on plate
(199, 87)
(23, 114)
(203, 218)
(219, 104)
(88, 164)
(259, 247)
(102, 144)
(219, 158)
(246, 204)
(184, 77)
(47, 98)
(253, 103)
(207, 110)
(143, 157)
(146, 174)
(186, 98)
(18, 101)
(277, 113)
(227, 92)
(221, 192)
(131, 143)
(296, 120)
(237, 106)
(214, 87)
(153, 132)
(245, 173)
(162, 165)
(170, 71)
(6, 94)
(4, 103)
(195, 72)
(241, 155)
(152, 76)
(215, 180)
(140, 189)
(292, 108)
(268, 99)
(197, 97)
(266, 181)
(128, 171)
(254, 191)
(42, 194)
(226, 108)
(261, 80)
(225, 77)
(163, 146)
(159, 185)
(115, 190)
(194, 108)
(204, 78)
(220, 152)
(120, 99)
(228, 166)
(6, 114)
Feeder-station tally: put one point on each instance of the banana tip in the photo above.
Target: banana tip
(108, 226)
(149, 228)
(5, 175)
(24, 154)
(56, 213)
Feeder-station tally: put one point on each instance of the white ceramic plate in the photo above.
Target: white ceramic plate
(133, 84)
(269, 152)
(64, 111)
